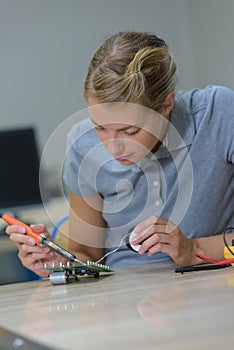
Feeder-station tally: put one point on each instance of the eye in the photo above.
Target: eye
(132, 133)
(100, 129)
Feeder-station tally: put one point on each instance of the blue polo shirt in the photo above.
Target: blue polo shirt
(189, 180)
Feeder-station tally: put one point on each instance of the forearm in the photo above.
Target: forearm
(212, 246)
(81, 252)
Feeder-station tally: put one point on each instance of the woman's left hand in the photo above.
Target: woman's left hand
(161, 235)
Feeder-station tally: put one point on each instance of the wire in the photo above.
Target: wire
(113, 251)
(65, 218)
(58, 224)
(224, 238)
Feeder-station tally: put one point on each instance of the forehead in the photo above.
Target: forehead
(120, 113)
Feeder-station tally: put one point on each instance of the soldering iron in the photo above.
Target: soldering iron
(42, 238)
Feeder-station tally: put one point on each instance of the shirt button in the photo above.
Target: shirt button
(156, 183)
(158, 203)
(136, 169)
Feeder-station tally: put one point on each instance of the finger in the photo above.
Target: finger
(35, 249)
(152, 220)
(39, 256)
(160, 248)
(145, 224)
(156, 228)
(167, 243)
(38, 227)
(15, 228)
(35, 265)
(22, 239)
(26, 250)
(166, 227)
(30, 259)
(137, 238)
(155, 240)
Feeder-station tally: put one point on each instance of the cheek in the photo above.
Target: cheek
(146, 142)
(102, 136)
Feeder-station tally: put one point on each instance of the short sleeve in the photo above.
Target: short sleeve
(214, 107)
(224, 109)
(75, 175)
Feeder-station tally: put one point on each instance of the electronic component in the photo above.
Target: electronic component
(60, 274)
(229, 252)
(129, 238)
(131, 235)
(64, 273)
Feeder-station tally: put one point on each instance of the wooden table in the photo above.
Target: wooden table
(149, 307)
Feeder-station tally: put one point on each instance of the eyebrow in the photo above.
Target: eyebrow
(122, 129)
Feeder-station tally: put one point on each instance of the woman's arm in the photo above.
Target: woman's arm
(86, 228)
(212, 246)
(161, 235)
(85, 236)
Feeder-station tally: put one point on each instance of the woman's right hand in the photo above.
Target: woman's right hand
(31, 255)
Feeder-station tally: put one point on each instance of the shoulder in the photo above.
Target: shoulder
(203, 106)
(209, 114)
(199, 109)
(82, 135)
(199, 99)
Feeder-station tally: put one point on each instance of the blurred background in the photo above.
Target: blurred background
(46, 46)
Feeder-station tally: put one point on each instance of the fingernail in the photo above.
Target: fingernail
(22, 230)
(140, 251)
(35, 227)
(31, 241)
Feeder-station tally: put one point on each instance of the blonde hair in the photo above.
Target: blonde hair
(132, 67)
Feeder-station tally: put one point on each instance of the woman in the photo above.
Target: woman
(146, 159)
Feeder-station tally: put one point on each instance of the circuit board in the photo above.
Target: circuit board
(62, 274)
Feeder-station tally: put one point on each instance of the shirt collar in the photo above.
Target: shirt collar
(180, 133)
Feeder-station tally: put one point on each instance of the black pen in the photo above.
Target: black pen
(183, 269)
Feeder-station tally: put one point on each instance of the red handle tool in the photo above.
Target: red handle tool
(38, 236)
(41, 238)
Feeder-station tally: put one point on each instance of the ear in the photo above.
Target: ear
(168, 104)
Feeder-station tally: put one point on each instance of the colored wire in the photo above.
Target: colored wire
(57, 225)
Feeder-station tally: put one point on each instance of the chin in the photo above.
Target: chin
(126, 162)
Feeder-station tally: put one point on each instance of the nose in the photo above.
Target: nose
(115, 146)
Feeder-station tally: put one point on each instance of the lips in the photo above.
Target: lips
(123, 158)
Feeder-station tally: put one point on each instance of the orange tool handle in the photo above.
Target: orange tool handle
(29, 232)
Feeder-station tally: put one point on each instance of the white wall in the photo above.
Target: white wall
(46, 46)
(208, 41)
